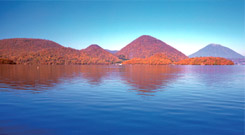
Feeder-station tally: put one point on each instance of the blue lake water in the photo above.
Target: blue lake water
(122, 100)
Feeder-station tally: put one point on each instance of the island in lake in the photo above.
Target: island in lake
(143, 50)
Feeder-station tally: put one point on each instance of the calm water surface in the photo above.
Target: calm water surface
(122, 100)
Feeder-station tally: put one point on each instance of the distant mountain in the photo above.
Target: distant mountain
(96, 51)
(111, 51)
(216, 50)
(146, 46)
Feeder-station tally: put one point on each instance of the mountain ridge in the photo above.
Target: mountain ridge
(41, 51)
(143, 50)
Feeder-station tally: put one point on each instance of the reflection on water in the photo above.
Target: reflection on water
(25, 77)
(90, 100)
(37, 78)
(30, 77)
(147, 79)
(144, 79)
(95, 74)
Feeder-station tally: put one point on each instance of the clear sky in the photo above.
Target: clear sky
(187, 25)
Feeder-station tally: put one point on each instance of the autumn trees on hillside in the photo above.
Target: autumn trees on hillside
(62, 56)
(143, 50)
(190, 61)
(205, 61)
(96, 52)
(157, 59)
(147, 46)
(38, 51)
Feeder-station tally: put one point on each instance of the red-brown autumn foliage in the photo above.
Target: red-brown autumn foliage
(147, 46)
(157, 59)
(146, 79)
(38, 51)
(205, 61)
(144, 50)
(61, 56)
(19, 46)
(95, 51)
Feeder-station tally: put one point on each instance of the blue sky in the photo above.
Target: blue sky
(187, 25)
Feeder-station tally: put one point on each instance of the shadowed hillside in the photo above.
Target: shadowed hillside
(6, 61)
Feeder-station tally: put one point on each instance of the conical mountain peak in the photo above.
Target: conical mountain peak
(95, 51)
(93, 46)
(214, 45)
(146, 46)
(146, 38)
(217, 50)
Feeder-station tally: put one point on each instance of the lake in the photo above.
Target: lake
(122, 100)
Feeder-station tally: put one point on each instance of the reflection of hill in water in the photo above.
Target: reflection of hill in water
(147, 79)
(95, 74)
(36, 78)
